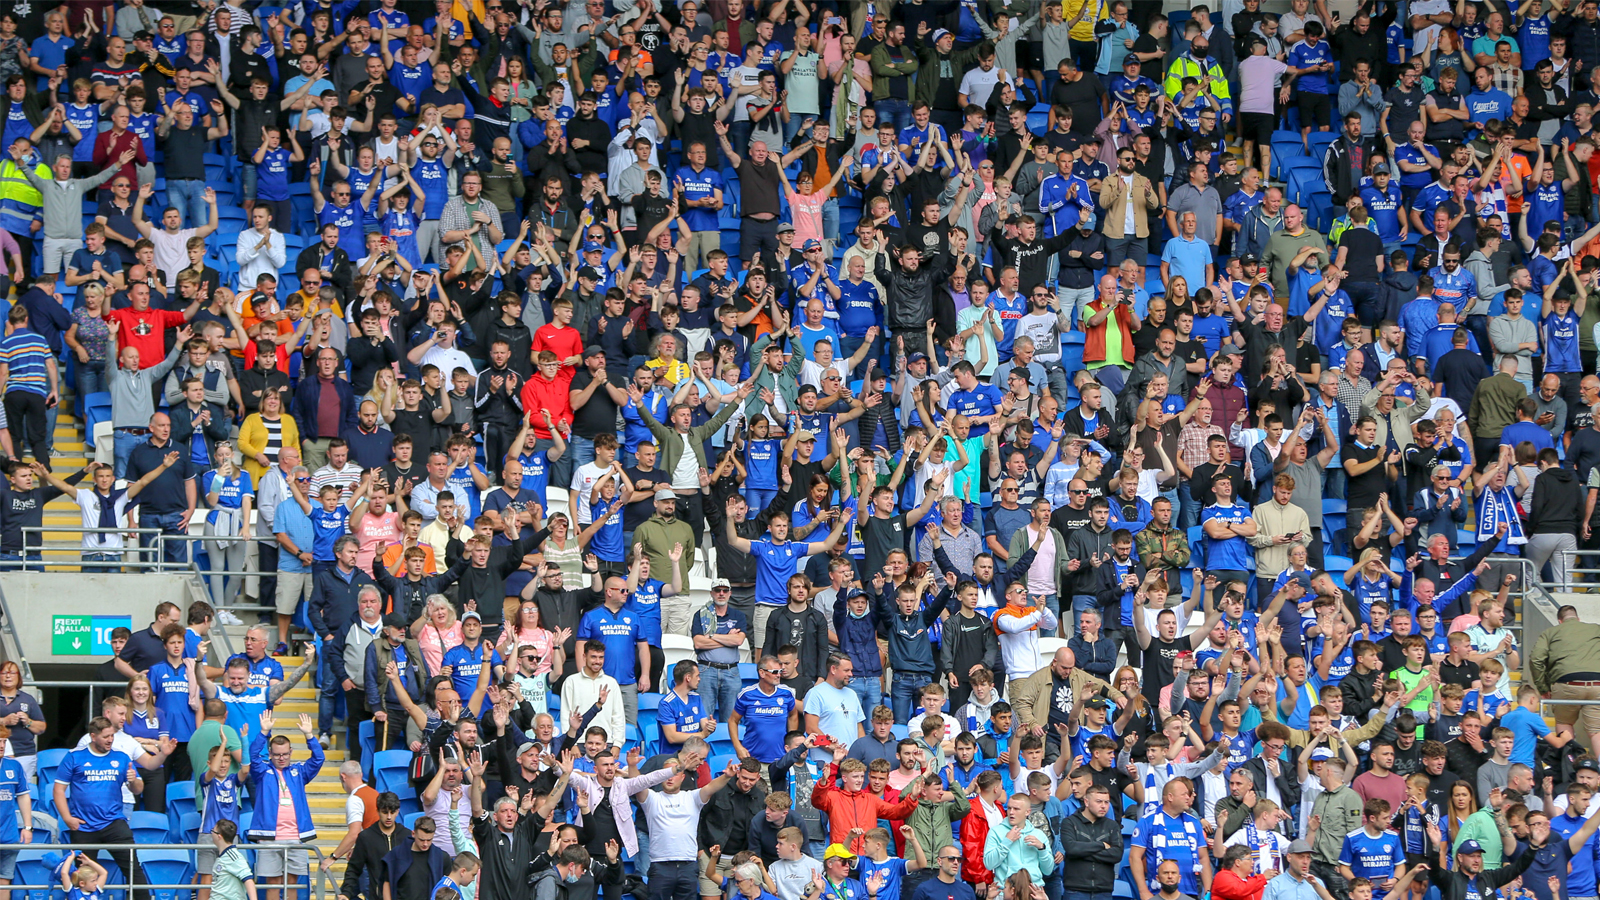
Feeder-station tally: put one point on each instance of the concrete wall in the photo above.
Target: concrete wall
(33, 599)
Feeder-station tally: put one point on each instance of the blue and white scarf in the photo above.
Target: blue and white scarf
(1498, 507)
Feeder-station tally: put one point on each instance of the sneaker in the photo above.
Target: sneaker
(324, 740)
(281, 650)
(226, 617)
(54, 453)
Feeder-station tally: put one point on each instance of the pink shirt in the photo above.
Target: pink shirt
(376, 531)
(288, 828)
(805, 211)
(436, 643)
(1042, 574)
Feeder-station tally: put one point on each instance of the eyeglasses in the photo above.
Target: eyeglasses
(772, 671)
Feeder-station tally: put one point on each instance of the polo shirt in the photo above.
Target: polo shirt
(143, 650)
(620, 633)
(766, 720)
(982, 400)
(26, 356)
(1227, 553)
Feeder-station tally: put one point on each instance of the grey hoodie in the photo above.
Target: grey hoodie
(1483, 272)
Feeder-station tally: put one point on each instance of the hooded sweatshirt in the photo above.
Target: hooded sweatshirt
(1557, 503)
(1005, 857)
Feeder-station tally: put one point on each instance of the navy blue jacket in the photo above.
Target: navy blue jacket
(333, 601)
(306, 394)
(910, 644)
(398, 861)
(858, 638)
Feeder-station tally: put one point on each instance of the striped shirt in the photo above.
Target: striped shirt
(26, 356)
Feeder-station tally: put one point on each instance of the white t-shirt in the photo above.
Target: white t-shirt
(172, 251)
(354, 810)
(583, 481)
(792, 877)
(811, 373)
(674, 824)
(978, 84)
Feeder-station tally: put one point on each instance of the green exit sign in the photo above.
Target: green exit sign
(72, 636)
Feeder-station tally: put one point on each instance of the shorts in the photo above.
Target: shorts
(248, 180)
(1314, 110)
(1257, 127)
(8, 864)
(709, 888)
(292, 588)
(270, 859)
(205, 857)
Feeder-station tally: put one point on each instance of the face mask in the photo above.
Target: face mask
(856, 615)
(570, 879)
(1200, 52)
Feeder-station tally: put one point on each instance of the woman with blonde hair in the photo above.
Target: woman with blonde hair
(437, 630)
(145, 725)
(89, 339)
(561, 549)
(230, 491)
(385, 392)
(265, 433)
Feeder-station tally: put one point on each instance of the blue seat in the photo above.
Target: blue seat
(367, 737)
(148, 827)
(900, 731)
(719, 763)
(410, 819)
(34, 876)
(1319, 142)
(748, 674)
(650, 701)
(49, 759)
(167, 867)
(1332, 505)
(188, 830)
(408, 798)
(389, 768)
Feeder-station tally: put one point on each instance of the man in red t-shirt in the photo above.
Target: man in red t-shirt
(144, 328)
(560, 338)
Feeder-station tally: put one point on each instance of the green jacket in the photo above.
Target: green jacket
(670, 445)
(1020, 544)
(883, 68)
(932, 822)
(658, 535)
(929, 58)
(785, 384)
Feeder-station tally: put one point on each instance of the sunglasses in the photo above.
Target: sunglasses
(1077, 492)
(772, 671)
(302, 480)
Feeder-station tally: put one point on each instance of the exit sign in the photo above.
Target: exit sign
(85, 635)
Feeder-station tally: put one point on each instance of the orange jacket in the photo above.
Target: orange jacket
(1228, 886)
(1094, 340)
(854, 809)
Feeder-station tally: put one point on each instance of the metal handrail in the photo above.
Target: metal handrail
(317, 875)
(76, 547)
(16, 650)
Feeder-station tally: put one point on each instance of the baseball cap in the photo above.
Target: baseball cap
(804, 435)
(526, 746)
(786, 226)
(1300, 846)
(916, 357)
(592, 245)
(1380, 169)
(1587, 763)
(1094, 703)
(471, 614)
(1249, 259)
(592, 350)
(940, 34)
(1469, 847)
(838, 851)
(852, 593)
(720, 583)
(395, 620)
(666, 494)
(811, 244)
(1321, 753)
(591, 273)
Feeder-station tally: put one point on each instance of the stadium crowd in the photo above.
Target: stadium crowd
(1118, 441)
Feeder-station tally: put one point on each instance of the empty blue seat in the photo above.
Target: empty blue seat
(389, 768)
(49, 759)
(148, 827)
(167, 867)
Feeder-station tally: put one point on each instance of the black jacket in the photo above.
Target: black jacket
(1109, 591)
(1557, 502)
(487, 585)
(397, 861)
(565, 610)
(1338, 169)
(738, 567)
(333, 601)
(814, 640)
(1288, 789)
(1358, 689)
(1032, 260)
(1095, 850)
(342, 272)
(371, 846)
(506, 860)
(1455, 885)
(185, 423)
(966, 642)
(726, 819)
(908, 295)
(408, 598)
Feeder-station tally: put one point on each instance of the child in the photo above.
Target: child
(1490, 704)
(1156, 771)
(930, 736)
(933, 702)
(603, 536)
(1411, 821)
(876, 863)
(1446, 726)
(536, 463)
(1045, 814)
(84, 882)
(975, 713)
(1373, 852)
(1413, 674)
(1260, 833)
(761, 454)
(232, 878)
(329, 521)
(1527, 724)
(467, 479)
(994, 741)
(1091, 722)
(462, 418)
(1030, 753)
(463, 876)
(219, 809)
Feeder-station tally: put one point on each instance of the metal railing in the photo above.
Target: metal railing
(58, 548)
(1570, 558)
(316, 875)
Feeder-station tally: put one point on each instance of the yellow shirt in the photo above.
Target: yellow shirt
(670, 371)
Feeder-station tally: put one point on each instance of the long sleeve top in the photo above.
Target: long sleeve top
(63, 201)
(621, 794)
(1005, 857)
(255, 261)
(132, 400)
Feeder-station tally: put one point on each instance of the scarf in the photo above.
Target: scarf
(1266, 851)
(1496, 508)
(108, 513)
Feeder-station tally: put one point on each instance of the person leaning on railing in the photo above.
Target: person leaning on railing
(1565, 666)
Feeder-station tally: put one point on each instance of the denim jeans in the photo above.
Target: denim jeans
(904, 693)
(1188, 509)
(1081, 602)
(581, 449)
(123, 443)
(719, 688)
(869, 688)
(897, 112)
(328, 695)
(674, 880)
(758, 499)
(170, 524)
(188, 197)
(91, 380)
